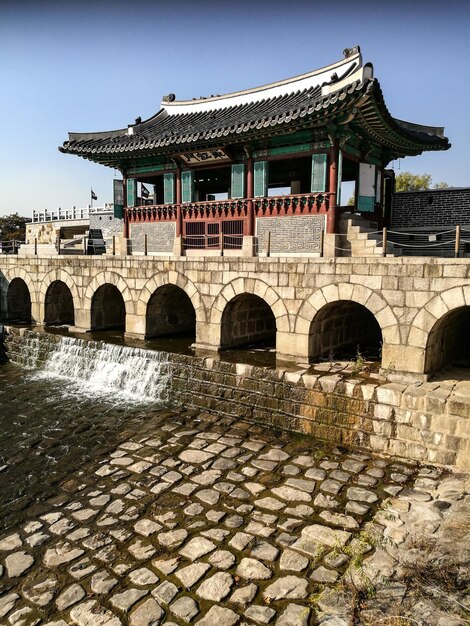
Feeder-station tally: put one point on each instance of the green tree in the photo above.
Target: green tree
(441, 185)
(406, 181)
(13, 227)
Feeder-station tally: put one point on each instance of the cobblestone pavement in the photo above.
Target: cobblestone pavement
(209, 521)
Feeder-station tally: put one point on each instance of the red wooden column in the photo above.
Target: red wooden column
(332, 187)
(250, 218)
(179, 213)
(124, 201)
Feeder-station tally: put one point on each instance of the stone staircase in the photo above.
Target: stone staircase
(363, 239)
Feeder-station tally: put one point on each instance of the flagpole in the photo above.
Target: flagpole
(91, 194)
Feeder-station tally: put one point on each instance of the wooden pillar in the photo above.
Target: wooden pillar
(179, 213)
(250, 219)
(124, 200)
(332, 187)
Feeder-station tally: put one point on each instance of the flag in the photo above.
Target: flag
(93, 195)
(144, 191)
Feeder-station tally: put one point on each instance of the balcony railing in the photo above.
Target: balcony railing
(70, 214)
(294, 204)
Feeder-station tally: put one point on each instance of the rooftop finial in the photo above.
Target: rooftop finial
(349, 52)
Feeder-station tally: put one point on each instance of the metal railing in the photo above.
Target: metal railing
(70, 214)
(10, 247)
(213, 242)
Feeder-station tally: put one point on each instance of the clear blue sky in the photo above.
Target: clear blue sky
(91, 66)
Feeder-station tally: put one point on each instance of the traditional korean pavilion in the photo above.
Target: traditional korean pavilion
(233, 171)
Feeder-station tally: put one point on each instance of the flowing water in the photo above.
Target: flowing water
(70, 405)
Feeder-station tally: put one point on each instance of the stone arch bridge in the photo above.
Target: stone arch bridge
(415, 314)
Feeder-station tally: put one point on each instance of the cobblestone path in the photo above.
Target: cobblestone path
(206, 521)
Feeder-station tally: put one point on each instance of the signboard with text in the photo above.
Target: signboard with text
(199, 157)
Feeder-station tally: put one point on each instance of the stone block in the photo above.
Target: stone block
(382, 428)
(454, 298)
(460, 406)
(415, 398)
(383, 411)
(390, 393)
(437, 307)
(378, 443)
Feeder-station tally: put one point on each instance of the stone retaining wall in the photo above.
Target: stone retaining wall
(424, 422)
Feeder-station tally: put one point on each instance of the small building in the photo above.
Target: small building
(264, 168)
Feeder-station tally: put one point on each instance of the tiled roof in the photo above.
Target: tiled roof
(240, 117)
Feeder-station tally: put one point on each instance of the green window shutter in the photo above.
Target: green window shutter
(238, 181)
(340, 178)
(187, 185)
(168, 188)
(261, 178)
(366, 196)
(118, 198)
(319, 169)
(131, 191)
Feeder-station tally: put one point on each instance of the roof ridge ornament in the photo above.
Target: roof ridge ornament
(169, 98)
(349, 52)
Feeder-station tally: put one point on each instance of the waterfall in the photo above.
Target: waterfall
(97, 368)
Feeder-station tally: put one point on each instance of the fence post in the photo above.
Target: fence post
(221, 243)
(322, 242)
(457, 241)
(268, 244)
(84, 245)
(58, 245)
(145, 244)
(114, 245)
(384, 241)
(35, 246)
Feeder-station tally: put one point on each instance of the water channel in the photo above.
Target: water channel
(73, 407)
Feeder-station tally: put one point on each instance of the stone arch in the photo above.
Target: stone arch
(57, 275)
(247, 320)
(440, 328)
(18, 302)
(59, 309)
(111, 278)
(249, 297)
(170, 313)
(108, 309)
(255, 287)
(344, 328)
(5, 281)
(333, 300)
(176, 279)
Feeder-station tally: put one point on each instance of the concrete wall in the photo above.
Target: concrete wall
(406, 296)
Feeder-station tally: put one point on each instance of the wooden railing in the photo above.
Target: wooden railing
(298, 204)
(295, 204)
